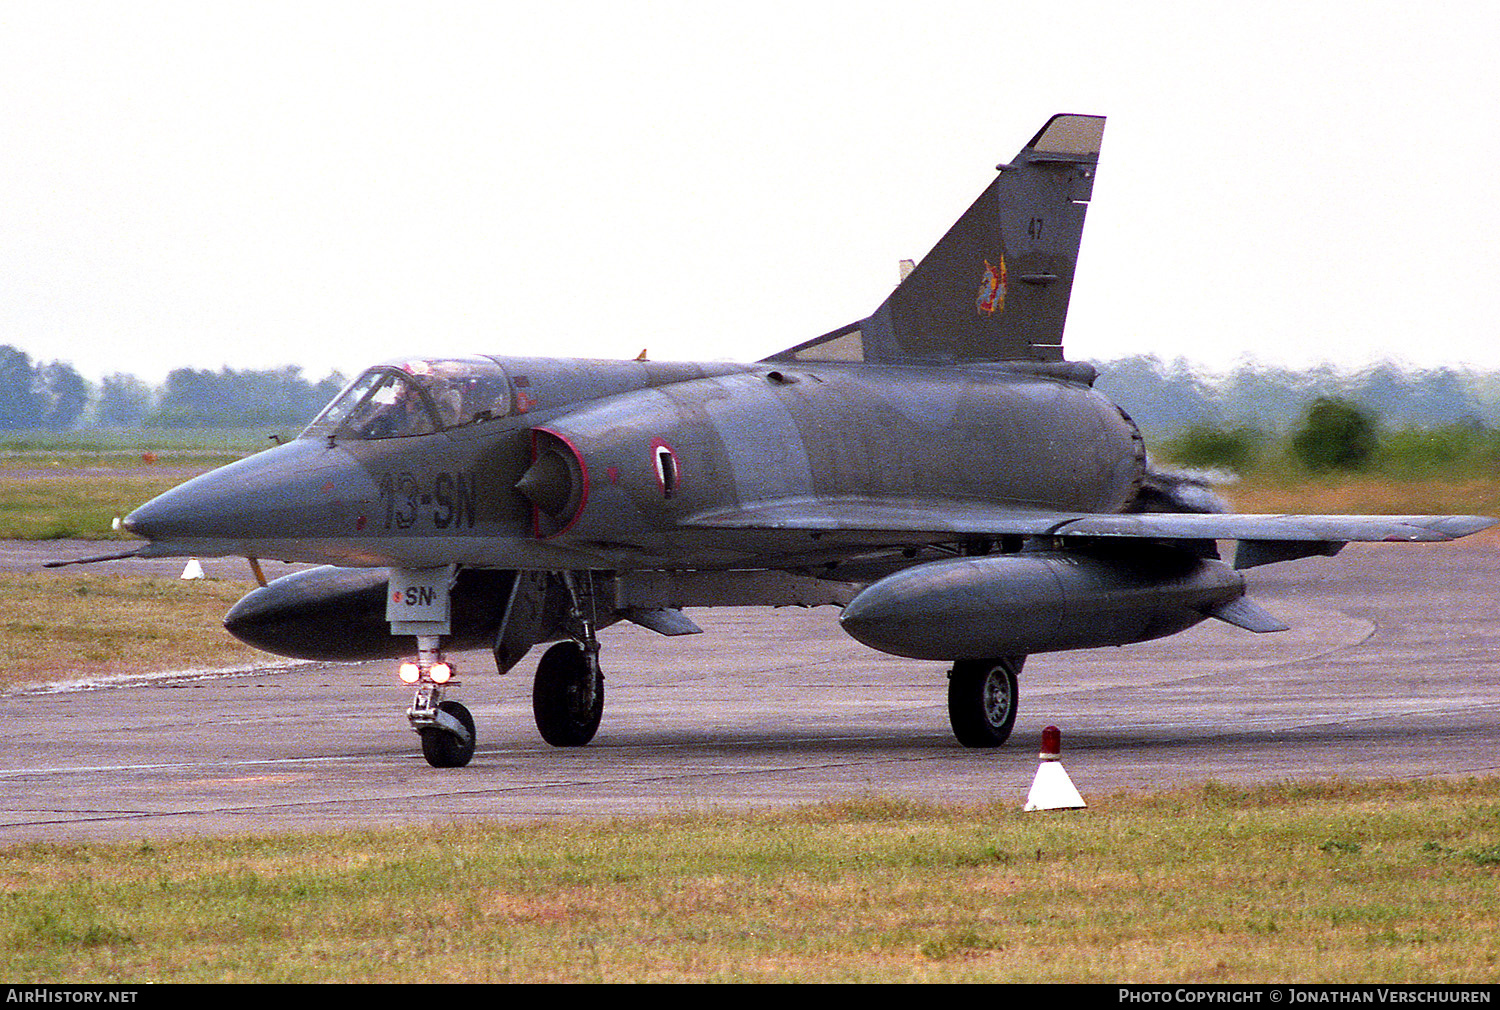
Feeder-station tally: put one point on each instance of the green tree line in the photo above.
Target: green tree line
(55, 397)
(1336, 434)
(1168, 397)
(1395, 421)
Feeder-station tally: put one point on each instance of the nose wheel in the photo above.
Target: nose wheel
(444, 748)
(446, 727)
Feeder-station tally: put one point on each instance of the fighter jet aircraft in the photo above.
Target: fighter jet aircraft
(938, 470)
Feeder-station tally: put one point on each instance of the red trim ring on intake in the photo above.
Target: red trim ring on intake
(580, 475)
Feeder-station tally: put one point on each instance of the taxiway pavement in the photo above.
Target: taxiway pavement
(1391, 669)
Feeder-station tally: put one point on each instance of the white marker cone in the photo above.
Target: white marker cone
(193, 570)
(1052, 789)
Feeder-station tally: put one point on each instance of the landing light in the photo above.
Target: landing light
(409, 673)
(440, 673)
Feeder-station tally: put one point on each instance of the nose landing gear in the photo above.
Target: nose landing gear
(446, 727)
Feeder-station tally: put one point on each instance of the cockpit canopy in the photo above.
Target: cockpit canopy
(415, 397)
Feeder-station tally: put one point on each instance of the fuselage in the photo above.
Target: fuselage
(614, 459)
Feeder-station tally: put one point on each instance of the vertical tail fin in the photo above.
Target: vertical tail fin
(996, 287)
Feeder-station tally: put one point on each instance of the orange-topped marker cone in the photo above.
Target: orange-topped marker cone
(1052, 789)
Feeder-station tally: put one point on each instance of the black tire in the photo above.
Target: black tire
(559, 696)
(982, 699)
(444, 750)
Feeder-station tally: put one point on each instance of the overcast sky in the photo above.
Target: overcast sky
(331, 184)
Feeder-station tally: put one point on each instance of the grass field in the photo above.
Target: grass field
(75, 504)
(1392, 882)
(74, 484)
(86, 623)
(1353, 494)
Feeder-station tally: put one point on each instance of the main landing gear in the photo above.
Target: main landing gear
(982, 699)
(568, 696)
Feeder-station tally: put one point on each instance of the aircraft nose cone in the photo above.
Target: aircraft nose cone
(190, 511)
(152, 521)
(297, 489)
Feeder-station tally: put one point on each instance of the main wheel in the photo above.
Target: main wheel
(444, 750)
(982, 699)
(565, 713)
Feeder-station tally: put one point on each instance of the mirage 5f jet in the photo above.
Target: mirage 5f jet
(937, 470)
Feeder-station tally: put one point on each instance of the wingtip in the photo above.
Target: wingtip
(1454, 527)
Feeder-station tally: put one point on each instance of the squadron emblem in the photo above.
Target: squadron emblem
(991, 297)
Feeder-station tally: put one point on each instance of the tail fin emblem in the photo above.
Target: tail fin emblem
(991, 297)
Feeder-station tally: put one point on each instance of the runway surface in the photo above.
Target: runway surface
(1390, 670)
